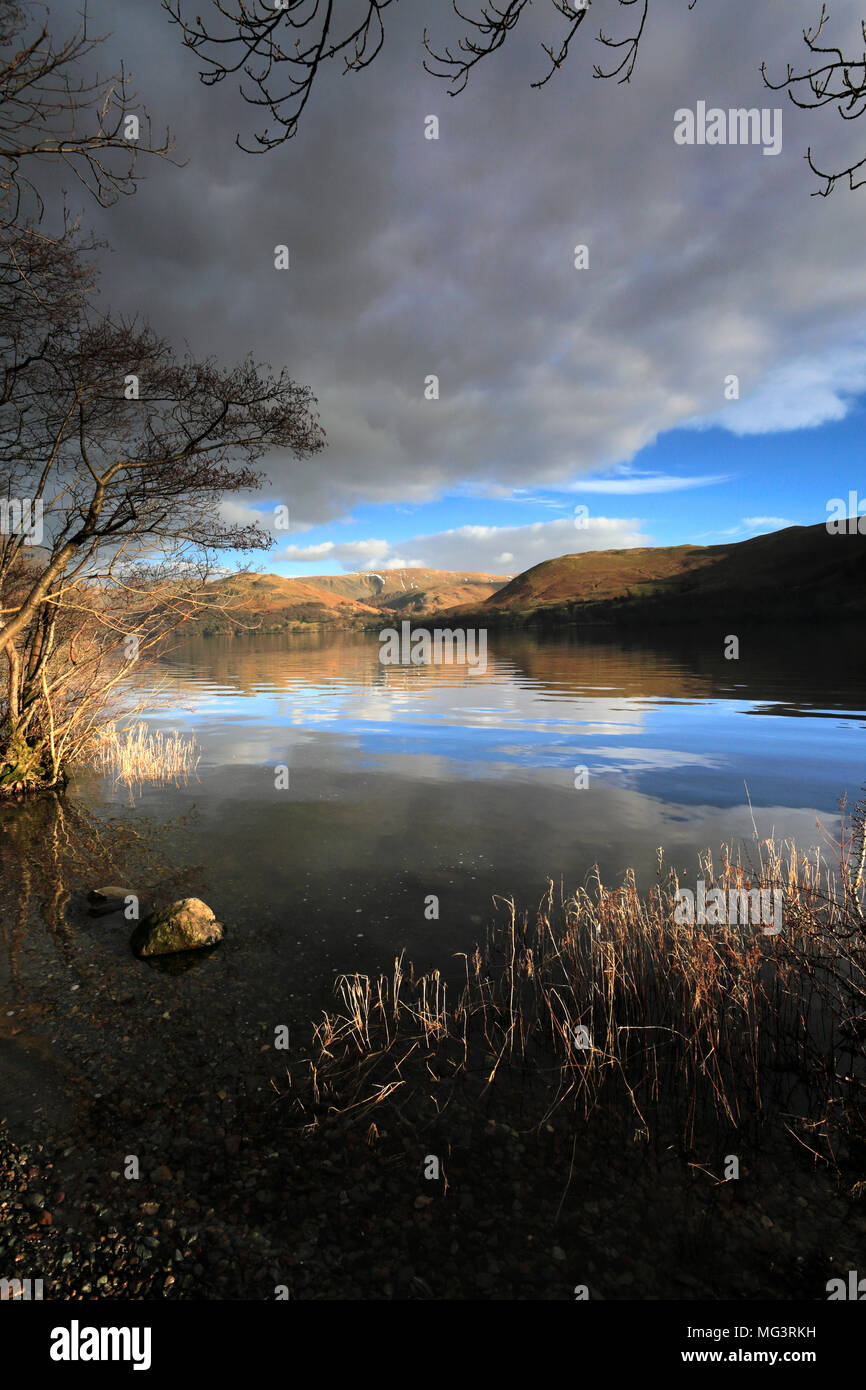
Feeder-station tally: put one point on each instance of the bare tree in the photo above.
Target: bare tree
(831, 78)
(115, 457)
(114, 454)
(490, 31)
(278, 51)
(51, 110)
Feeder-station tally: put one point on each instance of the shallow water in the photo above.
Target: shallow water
(403, 784)
(412, 784)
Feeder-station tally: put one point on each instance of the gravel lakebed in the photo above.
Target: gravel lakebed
(112, 1067)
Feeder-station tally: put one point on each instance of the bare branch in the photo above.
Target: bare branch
(50, 110)
(834, 78)
(279, 52)
(129, 491)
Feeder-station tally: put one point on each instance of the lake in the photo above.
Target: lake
(406, 783)
(418, 799)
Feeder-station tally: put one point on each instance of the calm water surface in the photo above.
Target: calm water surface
(407, 782)
(403, 784)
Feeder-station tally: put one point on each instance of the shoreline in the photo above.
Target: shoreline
(261, 1172)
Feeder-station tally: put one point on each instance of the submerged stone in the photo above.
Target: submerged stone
(104, 902)
(111, 891)
(186, 925)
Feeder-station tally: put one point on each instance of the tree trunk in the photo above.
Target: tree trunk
(24, 765)
(14, 684)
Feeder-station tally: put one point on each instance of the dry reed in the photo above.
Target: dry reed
(605, 996)
(137, 755)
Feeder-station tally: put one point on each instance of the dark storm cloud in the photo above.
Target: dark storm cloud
(455, 257)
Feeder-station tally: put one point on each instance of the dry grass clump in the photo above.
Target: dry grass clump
(136, 755)
(606, 997)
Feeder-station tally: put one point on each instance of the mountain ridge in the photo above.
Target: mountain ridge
(795, 571)
(275, 603)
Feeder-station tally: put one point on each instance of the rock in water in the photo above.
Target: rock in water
(112, 898)
(97, 896)
(185, 926)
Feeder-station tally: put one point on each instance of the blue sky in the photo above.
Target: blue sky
(562, 381)
(697, 486)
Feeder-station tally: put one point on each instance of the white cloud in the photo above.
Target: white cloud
(646, 483)
(798, 395)
(235, 513)
(311, 552)
(457, 258)
(749, 526)
(482, 548)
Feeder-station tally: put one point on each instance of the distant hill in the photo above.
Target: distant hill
(802, 570)
(412, 590)
(272, 603)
